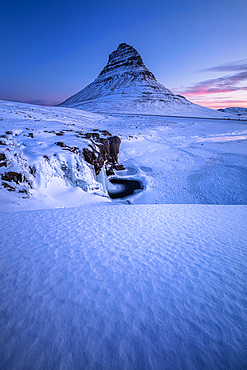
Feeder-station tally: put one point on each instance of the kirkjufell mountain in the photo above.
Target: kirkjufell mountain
(125, 85)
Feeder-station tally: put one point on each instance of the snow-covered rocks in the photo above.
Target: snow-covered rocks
(42, 158)
(103, 152)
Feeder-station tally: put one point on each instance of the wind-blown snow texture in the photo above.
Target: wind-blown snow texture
(126, 85)
(124, 287)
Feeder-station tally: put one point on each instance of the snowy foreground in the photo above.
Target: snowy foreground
(153, 281)
(124, 287)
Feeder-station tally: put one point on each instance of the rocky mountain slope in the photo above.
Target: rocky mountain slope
(125, 85)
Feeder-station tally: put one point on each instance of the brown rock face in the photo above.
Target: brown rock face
(104, 148)
(114, 148)
(102, 152)
(13, 176)
(92, 157)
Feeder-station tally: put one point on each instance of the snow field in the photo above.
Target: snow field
(178, 160)
(124, 287)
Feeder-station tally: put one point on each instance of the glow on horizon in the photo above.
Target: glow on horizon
(49, 53)
(225, 104)
(219, 100)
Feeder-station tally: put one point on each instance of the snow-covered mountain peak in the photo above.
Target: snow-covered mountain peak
(125, 85)
(125, 59)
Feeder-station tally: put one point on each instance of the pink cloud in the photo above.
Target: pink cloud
(217, 85)
(228, 90)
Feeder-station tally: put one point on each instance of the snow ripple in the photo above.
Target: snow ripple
(126, 287)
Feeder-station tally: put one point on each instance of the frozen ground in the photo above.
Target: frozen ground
(185, 160)
(124, 287)
(179, 160)
(99, 284)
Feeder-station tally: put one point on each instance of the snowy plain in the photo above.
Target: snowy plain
(154, 281)
(124, 287)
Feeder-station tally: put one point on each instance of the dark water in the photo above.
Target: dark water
(124, 188)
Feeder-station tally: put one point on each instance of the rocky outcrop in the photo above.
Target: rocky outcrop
(3, 160)
(102, 152)
(15, 181)
(114, 142)
(72, 149)
(13, 176)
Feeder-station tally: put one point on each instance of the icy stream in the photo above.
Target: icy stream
(123, 188)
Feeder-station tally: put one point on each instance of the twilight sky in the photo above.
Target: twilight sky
(51, 49)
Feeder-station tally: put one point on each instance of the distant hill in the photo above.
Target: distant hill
(234, 110)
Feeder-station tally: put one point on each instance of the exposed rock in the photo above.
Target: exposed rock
(24, 191)
(102, 151)
(13, 176)
(32, 170)
(78, 133)
(2, 157)
(8, 187)
(119, 167)
(114, 142)
(93, 135)
(110, 171)
(105, 132)
(73, 149)
(104, 148)
(93, 158)
(3, 160)
(89, 155)
(61, 144)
